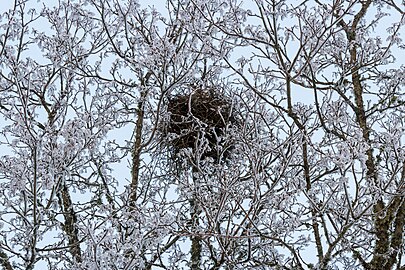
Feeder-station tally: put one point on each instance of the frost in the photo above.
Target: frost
(87, 182)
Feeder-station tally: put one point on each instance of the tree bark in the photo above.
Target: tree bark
(196, 247)
(386, 217)
(137, 149)
(70, 226)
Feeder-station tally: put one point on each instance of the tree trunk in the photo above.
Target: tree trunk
(137, 149)
(69, 227)
(196, 246)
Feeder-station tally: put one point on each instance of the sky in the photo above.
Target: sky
(123, 169)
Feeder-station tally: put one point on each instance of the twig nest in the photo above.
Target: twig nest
(198, 122)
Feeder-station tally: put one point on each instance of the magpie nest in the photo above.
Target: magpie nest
(198, 121)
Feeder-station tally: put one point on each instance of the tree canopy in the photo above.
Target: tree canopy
(190, 134)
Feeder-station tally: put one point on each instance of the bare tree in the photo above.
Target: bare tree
(350, 216)
(287, 151)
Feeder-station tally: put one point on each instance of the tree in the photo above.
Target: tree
(314, 171)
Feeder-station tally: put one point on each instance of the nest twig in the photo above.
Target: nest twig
(199, 119)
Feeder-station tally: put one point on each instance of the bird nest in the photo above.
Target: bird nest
(198, 121)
